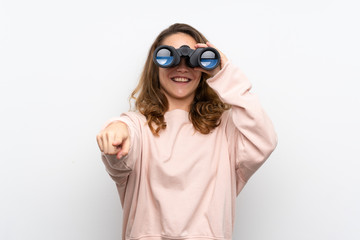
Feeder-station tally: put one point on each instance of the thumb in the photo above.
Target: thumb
(118, 140)
(125, 146)
(116, 143)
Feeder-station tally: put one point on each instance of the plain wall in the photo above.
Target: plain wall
(68, 66)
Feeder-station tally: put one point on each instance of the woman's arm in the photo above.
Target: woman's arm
(119, 144)
(249, 130)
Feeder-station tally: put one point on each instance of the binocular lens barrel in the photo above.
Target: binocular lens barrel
(164, 57)
(167, 56)
(208, 60)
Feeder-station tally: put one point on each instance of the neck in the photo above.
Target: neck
(179, 105)
(179, 102)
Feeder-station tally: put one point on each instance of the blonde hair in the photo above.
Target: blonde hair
(206, 108)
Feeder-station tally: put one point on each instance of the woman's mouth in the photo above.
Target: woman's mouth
(180, 79)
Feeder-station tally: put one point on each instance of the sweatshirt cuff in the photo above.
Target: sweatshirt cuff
(230, 83)
(220, 73)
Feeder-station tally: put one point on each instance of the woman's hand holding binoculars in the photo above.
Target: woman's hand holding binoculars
(223, 60)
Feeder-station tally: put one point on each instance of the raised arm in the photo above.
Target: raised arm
(249, 130)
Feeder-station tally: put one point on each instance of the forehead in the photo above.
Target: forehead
(178, 39)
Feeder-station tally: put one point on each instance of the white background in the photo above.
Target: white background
(68, 66)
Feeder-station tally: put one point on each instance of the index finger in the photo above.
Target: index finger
(201, 45)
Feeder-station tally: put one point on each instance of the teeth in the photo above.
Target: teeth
(181, 79)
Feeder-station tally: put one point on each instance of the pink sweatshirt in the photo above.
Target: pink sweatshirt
(183, 184)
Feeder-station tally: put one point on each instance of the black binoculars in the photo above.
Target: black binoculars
(167, 56)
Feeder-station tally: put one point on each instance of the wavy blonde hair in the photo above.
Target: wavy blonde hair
(206, 108)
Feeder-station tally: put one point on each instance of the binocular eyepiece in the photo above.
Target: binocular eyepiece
(167, 56)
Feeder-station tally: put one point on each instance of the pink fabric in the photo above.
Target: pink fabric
(183, 184)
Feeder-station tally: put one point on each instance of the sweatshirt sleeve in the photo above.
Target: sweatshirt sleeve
(249, 131)
(119, 169)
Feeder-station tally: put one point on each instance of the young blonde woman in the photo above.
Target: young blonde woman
(180, 160)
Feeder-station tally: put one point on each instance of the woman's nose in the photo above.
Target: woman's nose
(182, 65)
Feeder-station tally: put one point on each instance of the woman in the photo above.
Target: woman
(196, 138)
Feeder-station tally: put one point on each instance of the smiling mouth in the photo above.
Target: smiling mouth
(180, 79)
